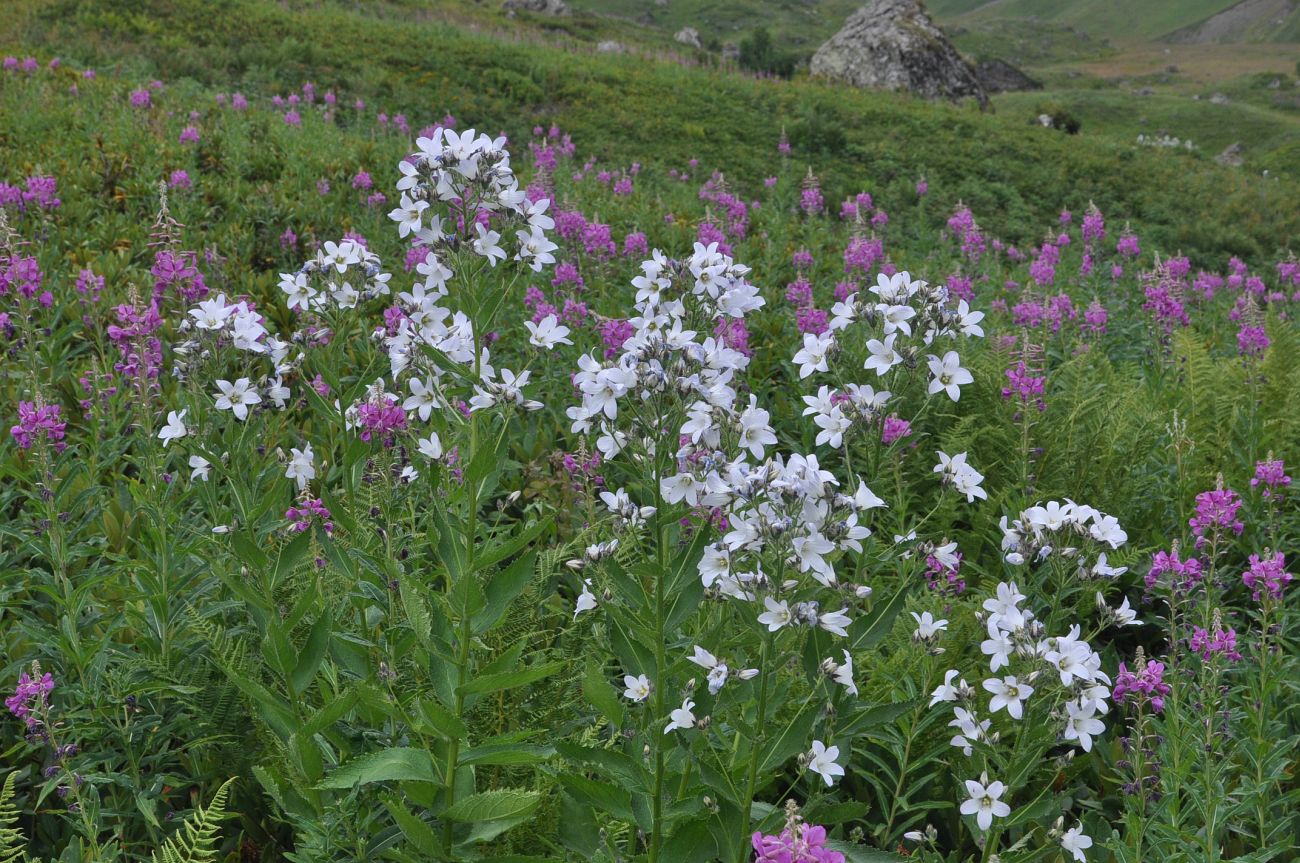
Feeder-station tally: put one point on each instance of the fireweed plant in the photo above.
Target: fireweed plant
(372, 494)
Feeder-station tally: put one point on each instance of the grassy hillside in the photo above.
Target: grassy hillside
(624, 108)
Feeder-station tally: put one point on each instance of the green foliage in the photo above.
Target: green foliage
(196, 842)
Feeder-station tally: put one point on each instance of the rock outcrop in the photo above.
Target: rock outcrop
(893, 45)
(537, 7)
(688, 36)
(999, 76)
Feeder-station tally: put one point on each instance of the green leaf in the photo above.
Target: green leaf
(509, 547)
(313, 651)
(493, 812)
(691, 842)
(504, 587)
(290, 555)
(507, 753)
(861, 854)
(606, 798)
(509, 679)
(875, 716)
(600, 694)
(793, 739)
(442, 721)
(418, 833)
(868, 630)
(400, 764)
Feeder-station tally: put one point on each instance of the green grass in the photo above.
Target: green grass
(626, 109)
(1105, 19)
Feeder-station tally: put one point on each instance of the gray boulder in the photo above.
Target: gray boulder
(688, 36)
(999, 76)
(538, 7)
(1232, 157)
(893, 45)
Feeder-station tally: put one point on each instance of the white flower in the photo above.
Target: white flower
(926, 626)
(812, 356)
(997, 646)
(682, 717)
(681, 487)
(300, 292)
(968, 321)
(948, 375)
(408, 215)
(423, 398)
(535, 248)
(1076, 842)
(638, 688)
(984, 802)
(547, 333)
(821, 760)
(431, 447)
(175, 427)
(302, 466)
(586, 599)
(1009, 693)
(946, 691)
(883, 357)
(843, 674)
(1081, 724)
(237, 397)
(201, 467)
(485, 244)
(835, 622)
(212, 314)
(777, 614)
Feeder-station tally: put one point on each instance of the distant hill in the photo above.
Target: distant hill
(802, 25)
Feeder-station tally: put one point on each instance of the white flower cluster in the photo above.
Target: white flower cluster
(342, 275)
(786, 513)
(903, 309)
(217, 323)
(665, 364)
(1017, 643)
(469, 173)
(1070, 530)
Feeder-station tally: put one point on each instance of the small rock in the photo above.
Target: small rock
(1218, 99)
(609, 46)
(688, 36)
(1045, 120)
(1231, 157)
(555, 8)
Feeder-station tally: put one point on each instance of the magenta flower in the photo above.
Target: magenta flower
(1145, 684)
(800, 843)
(1271, 474)
(1267, 574)
(1216, 510)
(30, 695)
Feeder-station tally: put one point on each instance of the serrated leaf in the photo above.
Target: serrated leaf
(399, 764)
(509, 679)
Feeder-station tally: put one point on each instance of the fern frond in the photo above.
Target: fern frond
(196, 841)
(13, 845)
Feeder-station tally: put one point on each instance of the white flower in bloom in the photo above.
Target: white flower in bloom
(431, 447)
(408, 215)
(175, 427)
(535, 248)
(638, 688)
(586, 599)
(821, 760)
(777, 614)
(682, 717)
(998, 646)
(1009, 693)
(236, 397)
(423, 398)
(883, 356)
(812, 356)
(199, 467)
(926, 626)
(948, 375)
(843, 674)
(961, 476)
(681, 487)
(302, 468)
(968, 321)
(212, 314)
(1081, 723)
(547, 333)
(299, 290)
(946, 691)
(755, 429)
(984, 802)
(835, 622)
(485, 244)
(1076, 842)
